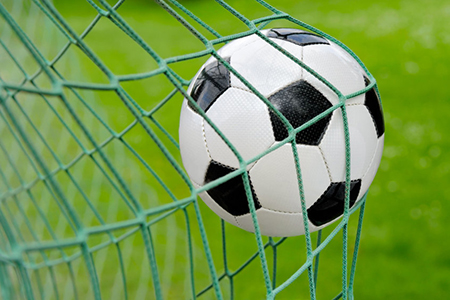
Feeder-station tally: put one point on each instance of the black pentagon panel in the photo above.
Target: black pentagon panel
(210, 84)
(373, 104)
(297, 36)
(331, 204)
(230, 195)
(299, 103)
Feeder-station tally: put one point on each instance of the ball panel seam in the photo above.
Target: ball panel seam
(372, 159)
(354, 104)
(204, 139)
(284, 212)
(326, 163)
(237, 222)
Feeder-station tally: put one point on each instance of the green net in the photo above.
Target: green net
(94, 202)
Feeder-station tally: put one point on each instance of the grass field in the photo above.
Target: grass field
(404, 252)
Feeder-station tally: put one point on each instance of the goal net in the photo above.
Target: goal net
(94, 201)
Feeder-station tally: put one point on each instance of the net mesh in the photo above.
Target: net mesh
(94, 202)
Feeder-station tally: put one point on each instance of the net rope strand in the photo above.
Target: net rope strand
(21, 259)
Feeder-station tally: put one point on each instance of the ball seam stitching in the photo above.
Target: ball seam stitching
(195, 182)
(353, 104)
(204, 139)
(371, 161)
(301, 68)
(284, 212)
(242, 89)
(326, 163)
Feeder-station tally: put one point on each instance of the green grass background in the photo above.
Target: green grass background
(404, 252)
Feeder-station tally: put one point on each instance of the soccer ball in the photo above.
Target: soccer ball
(252, 128)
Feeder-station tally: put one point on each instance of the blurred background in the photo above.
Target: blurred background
(403, 254)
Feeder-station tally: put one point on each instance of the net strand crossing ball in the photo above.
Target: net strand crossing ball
(252, 128)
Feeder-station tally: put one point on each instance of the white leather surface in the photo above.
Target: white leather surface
(363, 143)
(275, 182)
(244, 119)
(335, 67)
(192, 145)
(272, 223)
(372, 170)
(267, 69)
(230, 48)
